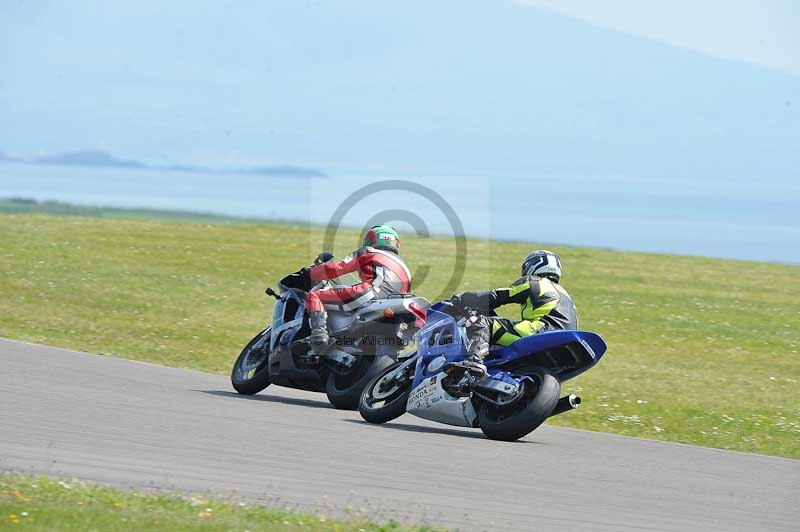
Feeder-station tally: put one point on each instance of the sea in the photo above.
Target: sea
(724, 218)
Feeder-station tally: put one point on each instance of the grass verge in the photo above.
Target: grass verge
(701, 351)
(39, 503)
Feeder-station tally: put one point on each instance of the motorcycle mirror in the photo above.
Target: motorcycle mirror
(270, 292)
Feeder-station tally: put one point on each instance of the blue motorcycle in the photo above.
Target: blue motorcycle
(520, 391)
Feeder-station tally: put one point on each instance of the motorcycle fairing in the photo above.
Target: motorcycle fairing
(289, 313)
(375, 310)
(438, 342)
(565, 353)
(287, 318)
(429, 400)
(441, 337)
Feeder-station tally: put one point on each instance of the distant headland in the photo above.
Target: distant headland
(104, 159)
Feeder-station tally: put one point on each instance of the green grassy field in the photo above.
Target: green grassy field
(28, 503)
(701, 351)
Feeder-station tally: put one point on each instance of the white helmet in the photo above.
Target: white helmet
(542, 263)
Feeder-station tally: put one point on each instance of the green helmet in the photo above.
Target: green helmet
(383, 236)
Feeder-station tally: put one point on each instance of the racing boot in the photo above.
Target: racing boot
(479, 333)
(318, 321)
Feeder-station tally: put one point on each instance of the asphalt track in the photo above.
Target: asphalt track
(77, 415)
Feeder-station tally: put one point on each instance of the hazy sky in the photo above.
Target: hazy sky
(761, 32)
(458, 87)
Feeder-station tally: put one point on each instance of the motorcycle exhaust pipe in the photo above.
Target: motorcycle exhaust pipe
(566, 403)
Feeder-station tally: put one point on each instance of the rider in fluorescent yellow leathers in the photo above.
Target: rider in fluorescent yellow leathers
(544, 305)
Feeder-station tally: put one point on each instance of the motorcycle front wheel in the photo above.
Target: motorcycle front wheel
(385, 397)
(250, 373)
(512, 422)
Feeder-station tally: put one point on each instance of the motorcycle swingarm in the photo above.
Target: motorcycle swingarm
(501, 388)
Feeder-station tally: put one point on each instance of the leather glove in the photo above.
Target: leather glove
(457, 301)
(325, 256)
(478, 301)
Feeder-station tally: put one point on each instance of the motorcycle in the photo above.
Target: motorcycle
(364, 342)
(519, 392)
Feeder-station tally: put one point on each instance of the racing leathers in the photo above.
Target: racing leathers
(544, 305)
(382, 274)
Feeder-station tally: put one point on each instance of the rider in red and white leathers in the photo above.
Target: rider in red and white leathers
(382, 273)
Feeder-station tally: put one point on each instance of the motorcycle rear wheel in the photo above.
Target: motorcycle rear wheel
(380, 406)
(250, 373)
(509, 423)
(344, 390)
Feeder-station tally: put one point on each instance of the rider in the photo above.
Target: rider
(544, 306)
(382, 273)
